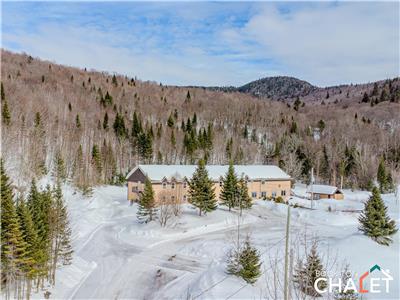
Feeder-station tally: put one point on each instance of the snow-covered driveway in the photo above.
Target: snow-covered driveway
(117, 258)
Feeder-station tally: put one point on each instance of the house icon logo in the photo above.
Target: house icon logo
(375, 282)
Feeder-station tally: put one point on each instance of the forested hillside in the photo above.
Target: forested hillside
(92, 128)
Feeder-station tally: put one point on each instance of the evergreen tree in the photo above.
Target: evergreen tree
(245, 262)
(374, 220)
(384, 96)
(321, 125)
(173, 140)
(306, 273)
(245, 132)
(38, 121)
(229, 150)
(114, 80)
(59, 172)
(229, 193)
(96, 158)
(201, 190)
(77, 122)
(382, 176)
(188, 97)
(245, 199)
(324, 166)
(297, 104)
(13, 246)
(105, 121)
(170, 121)
(365, 98)
(119, 126)
(147, 207)
(62, 247)
(145, 146)
(375, 90)
(194, 119)
(136, 126)
(30, 236)
(293, 128)
(2, 92)
(254, 138)
(5, 111)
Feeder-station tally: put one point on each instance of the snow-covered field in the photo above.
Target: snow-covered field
(116, 257)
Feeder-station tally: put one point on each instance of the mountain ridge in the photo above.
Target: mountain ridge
(288, 88)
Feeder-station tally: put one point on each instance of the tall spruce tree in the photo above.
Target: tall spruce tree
(59, 171)
(382, 176)
(306, 273)
(374, 220)
(31, 239)
(39, 204)
(244, 198)
(5, 111)
(147, 211)
(136, 126)
(105, 121)
(201, 190)
(96, 158)
(13, 246)
(229, 193)
(61, 232)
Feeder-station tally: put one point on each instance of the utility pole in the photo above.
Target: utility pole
(286, 280)
(312, 183)
(240, 204)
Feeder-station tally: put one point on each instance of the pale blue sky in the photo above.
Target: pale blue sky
(212, 43)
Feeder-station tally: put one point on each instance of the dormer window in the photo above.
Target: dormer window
(164, 185)
(221, 183)
(172, 185)
(184, 184)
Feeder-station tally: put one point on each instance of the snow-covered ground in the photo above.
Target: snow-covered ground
(116, 257)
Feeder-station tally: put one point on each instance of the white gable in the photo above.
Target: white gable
(322, 189)
(158, 172)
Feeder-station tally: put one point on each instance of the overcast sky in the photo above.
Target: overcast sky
(325, 43)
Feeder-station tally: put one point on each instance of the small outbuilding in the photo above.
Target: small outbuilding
(320, 191)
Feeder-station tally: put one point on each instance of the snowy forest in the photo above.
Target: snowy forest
(92, 127)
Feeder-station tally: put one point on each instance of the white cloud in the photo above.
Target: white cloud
(325, 44)
(93, 49)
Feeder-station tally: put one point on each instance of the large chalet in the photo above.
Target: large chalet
(170, 181)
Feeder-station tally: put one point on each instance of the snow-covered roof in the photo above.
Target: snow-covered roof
(158, 172)
(323, 189)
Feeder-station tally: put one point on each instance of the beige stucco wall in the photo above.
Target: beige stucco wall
(279, 187)
(334, 196)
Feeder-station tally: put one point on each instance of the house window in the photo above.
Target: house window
(173, 185)
(263, 194)
(220, 183)
(163, 197)
(184, 197)
(263, 182)
(134, 188)
(254, 194)
(184, 184)
(273, 194)
(164, 185)
(283, 193)
(172, 198)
